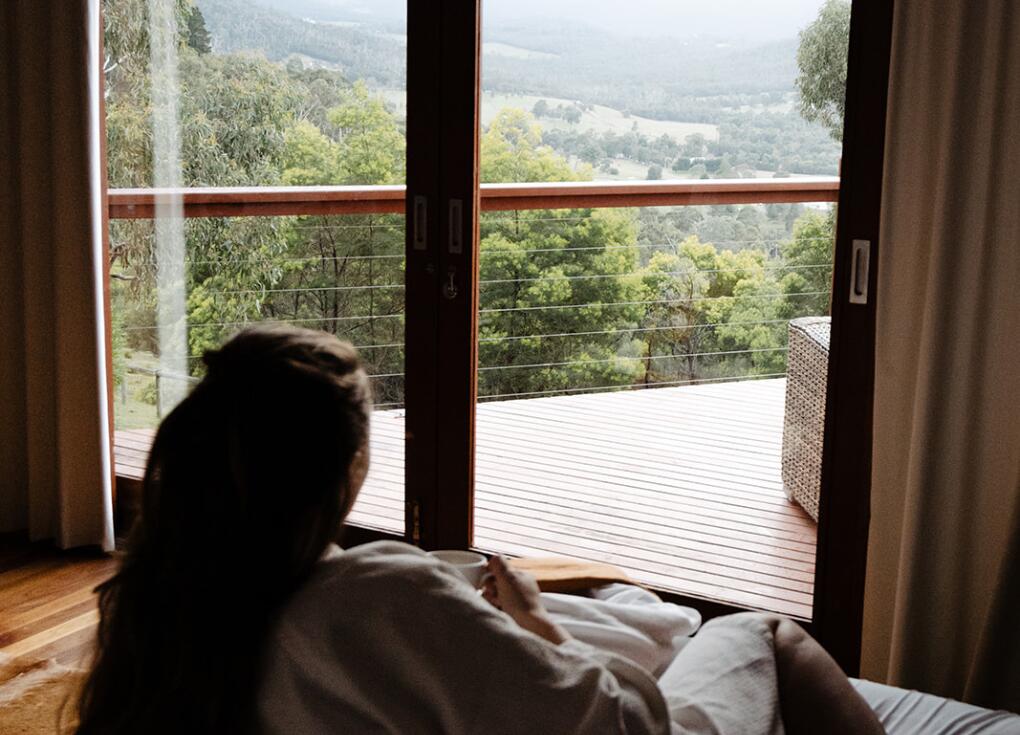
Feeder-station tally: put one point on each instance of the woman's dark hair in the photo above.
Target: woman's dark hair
(247, 483)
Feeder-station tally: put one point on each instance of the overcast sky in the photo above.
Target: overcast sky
(759, 20)
(752, 19)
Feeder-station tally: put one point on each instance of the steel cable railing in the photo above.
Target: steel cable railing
(599, 318)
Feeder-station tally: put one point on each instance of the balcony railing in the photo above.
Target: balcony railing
(336, 200)
(680, 486)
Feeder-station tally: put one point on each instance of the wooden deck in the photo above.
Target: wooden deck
(679, 486)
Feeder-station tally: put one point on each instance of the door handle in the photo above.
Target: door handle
(860, 266)
(456, 226)
(450, 285)
(421, 222)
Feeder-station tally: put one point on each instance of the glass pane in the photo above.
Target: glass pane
(634, 400)
(662, 89)
(228, 93)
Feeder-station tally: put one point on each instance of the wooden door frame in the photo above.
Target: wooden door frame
(422, 235)
(842, 549)
(458, 265)
(444, 52)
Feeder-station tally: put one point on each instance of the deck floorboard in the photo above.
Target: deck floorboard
(679, 486)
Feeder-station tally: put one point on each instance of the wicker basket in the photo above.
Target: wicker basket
(804, 421)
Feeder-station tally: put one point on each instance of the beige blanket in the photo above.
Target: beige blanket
(560, 574)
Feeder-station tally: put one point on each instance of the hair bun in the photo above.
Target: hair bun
(213, 359)
(239, 359)
(220, 362)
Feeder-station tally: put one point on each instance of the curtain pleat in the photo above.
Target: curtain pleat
(55, 479)
(945, 510)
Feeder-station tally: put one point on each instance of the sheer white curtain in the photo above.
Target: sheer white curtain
(942, 610)
(54, 436)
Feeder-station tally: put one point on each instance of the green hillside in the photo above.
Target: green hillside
(238, 25)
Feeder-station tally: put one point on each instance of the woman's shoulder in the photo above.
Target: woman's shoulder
(386, 554)
(379, 562)
(373, 579)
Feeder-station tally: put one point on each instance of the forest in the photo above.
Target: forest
(571, 300)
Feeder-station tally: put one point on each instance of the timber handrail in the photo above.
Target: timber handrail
(277, 201)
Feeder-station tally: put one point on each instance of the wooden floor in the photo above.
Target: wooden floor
(679, 486)
(47, 605)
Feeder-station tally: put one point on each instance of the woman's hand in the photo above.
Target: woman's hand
(516, 594)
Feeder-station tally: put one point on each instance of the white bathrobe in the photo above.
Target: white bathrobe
(385, 639)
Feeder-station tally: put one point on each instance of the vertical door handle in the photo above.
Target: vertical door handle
(456, 226)
(450, 285)
(860, 265)
(421, 222)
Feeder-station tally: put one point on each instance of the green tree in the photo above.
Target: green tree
(345, 274)
(560, 293)
(671, 328)
(748, 333)
(235, 111)
(512, 151)
(715, 314)
(247, 121)
(725, 170)
(807, 265)
(371, 147)
(695, 146)
(197, 34)
(822, 60)
(310, 157)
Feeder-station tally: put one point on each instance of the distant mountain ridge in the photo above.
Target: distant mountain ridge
(657, 77)
(358, 53)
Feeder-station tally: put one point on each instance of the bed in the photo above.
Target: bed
(633, 623)
(905, 712)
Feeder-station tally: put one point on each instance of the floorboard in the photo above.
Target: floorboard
(48, 604)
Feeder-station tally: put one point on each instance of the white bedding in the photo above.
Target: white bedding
(627, 620)
(721, 683)
(635, 624)
(905, 712)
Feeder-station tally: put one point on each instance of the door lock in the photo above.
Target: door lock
(450, 287)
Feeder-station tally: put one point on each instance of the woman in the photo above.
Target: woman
(233, 611)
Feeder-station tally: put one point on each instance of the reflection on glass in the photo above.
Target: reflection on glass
(227, 93)
(171, 312)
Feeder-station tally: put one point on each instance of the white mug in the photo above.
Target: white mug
(470, 565)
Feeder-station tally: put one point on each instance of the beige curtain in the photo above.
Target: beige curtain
(942, 609)
(54, 443)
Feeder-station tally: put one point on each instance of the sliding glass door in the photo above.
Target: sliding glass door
(652, 378)
(256, 157)
(670, 346)
(589, 256)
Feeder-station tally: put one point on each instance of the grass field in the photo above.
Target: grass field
(494, 48)
(134, 405)
(600, 119)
